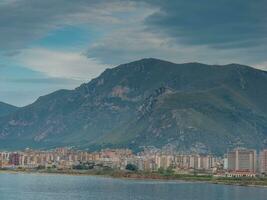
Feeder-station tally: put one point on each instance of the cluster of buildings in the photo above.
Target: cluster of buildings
(236, 163)
(66, 158)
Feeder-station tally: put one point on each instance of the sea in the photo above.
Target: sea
(69, 187)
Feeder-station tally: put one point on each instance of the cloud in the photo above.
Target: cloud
(6, 2)
(60, 64)
(262, 66)
(127, 44)
(25, 21)
(48, 80)
(179, 30)
(133, 43)
(185, 31)
(219, 24)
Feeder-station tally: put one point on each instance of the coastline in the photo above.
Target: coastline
(247, 182)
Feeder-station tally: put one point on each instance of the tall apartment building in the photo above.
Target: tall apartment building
(263, 161)
(242, 160)
(164, 161)
(207, 162)
(202, 162)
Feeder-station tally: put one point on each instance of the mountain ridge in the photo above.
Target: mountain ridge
(191, 106)
(6, 109)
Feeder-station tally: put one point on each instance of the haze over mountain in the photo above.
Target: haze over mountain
(192, 106)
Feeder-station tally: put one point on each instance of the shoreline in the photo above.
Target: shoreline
(247, 182)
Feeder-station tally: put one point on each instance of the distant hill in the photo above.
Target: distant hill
(6, 109)
(191, 106)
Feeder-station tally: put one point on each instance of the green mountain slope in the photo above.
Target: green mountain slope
(6, 109)
(149, 102)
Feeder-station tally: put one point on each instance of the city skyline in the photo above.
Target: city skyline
(238, 162)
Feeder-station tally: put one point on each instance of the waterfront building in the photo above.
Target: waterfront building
(242, 160)
(263, 161)
(164, 161)
(15, 159)
(151, 159)
(225, 163)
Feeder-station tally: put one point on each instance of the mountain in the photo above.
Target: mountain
(6, 109)
(191, 106)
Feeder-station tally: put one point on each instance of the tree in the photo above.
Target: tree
(161, 170)
(169, 171)
(131, 167)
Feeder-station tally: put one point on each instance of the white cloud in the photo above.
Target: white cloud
(60, 64)
(6, 2)
(262, 66)
(124, 36)
(23, 22)
(132, 43)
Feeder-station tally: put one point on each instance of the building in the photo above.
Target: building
(206, 162)
(225, 163)
(263, 161)
(164, 161)
(15, 159)
(244, 160)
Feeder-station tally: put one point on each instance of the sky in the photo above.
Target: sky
(50, 45)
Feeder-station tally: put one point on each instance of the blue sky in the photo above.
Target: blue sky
(50, 45)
